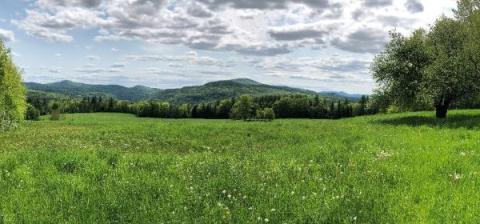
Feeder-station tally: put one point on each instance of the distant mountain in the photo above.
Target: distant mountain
(341, 94)
(75, 89)
(209, 92)
(225, 89)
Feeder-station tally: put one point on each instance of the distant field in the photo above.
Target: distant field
(114, 168)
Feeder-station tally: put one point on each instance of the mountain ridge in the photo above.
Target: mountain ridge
(208, 92)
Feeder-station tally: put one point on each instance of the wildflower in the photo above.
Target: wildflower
(456, 176)
(266, 220)
(224, 191)
(383, 155)
(273, 210)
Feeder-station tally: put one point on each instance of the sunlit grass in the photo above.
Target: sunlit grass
(96, 168)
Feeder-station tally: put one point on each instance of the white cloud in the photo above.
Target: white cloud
(260, 38)
(190, 58)
(93, 58)
(7, 35)
(362, 40)
(267, 27)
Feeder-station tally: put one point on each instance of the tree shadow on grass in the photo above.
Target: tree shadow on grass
(467, 121)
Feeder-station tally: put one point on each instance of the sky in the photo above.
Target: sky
(321, 45)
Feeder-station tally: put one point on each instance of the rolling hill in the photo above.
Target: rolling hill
(224, 89)
(209, 92)
(75, 89)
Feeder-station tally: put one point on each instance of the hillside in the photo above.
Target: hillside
(225, 89)
(75, 89)
(193, 94)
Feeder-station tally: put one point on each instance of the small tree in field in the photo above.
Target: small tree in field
(56, 113)
(12, 91)
(243, 109)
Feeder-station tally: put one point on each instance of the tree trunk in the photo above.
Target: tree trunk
(442, 109)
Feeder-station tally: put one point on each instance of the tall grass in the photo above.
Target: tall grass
(111, 168)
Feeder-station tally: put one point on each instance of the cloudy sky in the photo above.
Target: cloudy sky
(321, 45)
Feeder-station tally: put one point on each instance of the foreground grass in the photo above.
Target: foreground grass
(113, 168)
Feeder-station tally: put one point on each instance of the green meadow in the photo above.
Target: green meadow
(116, 168)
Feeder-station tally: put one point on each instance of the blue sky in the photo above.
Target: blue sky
(322, 45)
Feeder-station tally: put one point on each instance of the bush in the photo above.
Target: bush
(33, 113)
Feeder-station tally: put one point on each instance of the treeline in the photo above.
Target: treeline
(242, 108)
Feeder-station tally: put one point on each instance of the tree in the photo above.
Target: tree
(224, 108)
(12, 92)
(268, 114)
(450, 76)
(441, 66)
(265, 114)
(243, 109)
(55, 112)
(362, 106)
(399, 69)
(466, 8)
(32, 114)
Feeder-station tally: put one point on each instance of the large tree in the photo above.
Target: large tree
(450, 76)
(12, 91)
(399, 69)
(440, 66)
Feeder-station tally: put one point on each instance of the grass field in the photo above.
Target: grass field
(114, 168)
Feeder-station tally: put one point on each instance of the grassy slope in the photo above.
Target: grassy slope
(117, 168)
